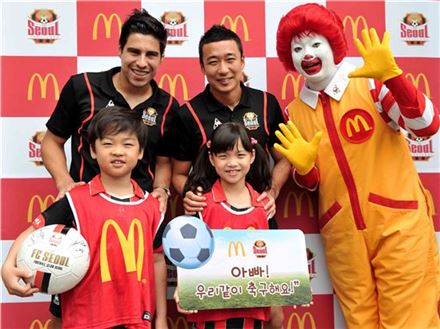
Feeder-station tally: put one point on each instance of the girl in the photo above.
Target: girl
(231, 171)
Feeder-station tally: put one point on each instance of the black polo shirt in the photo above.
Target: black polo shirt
(196, 120)
(86, 94)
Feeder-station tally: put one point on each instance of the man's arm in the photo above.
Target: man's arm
(54, 159)
(280, 172)
(180, 174)
(160, 273)
(162, 181)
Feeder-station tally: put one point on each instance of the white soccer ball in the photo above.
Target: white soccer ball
(57, 255)
(188, 242)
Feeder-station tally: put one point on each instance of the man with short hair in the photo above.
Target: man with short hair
(141, 49)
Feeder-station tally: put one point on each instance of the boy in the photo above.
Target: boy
(111, 203)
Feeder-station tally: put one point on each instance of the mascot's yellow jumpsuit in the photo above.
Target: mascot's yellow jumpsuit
(375, 216)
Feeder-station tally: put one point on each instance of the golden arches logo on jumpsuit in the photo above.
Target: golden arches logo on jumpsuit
(298, 198)
(305, 321)
(127, 244)
(357, 126)
(172, 84)
(354, 24)
(43, 204)
(43, 82)
(233, 24)
(108, 23)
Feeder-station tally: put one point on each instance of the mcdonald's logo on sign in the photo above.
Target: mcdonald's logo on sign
(357, 126)
(298, 201)
(127, 245)
(354, 24)
(179, 323)
(233, 23)
(236, 246)
(294, 82)
(416, 82)
(43, 203)
(37, 324)
(108, 23)
(172, 83)
(43, 85)
(306, 321)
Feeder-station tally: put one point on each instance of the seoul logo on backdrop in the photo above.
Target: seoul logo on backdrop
(414, 29)
(175, 24)
(43, 26)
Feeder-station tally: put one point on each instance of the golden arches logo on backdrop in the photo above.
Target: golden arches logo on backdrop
(234, 247)
(416, 82)
(298, 198)
(294, 82)
(108, 23)
(37, 324)
(172, 83)
(233, 24)
(301, 321)
(43, 85)
(43, 203)
(355, 24)
(175, 324)
(127, 245)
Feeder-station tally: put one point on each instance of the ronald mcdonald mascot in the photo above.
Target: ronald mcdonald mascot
(345, 137)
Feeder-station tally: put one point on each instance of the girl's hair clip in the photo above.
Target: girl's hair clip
(254, 141)
(208, 144)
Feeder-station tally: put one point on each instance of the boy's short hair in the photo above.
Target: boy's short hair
(218, 33)
(114, 120)
(140, 21)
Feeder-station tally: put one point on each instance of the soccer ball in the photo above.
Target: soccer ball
(57, 255)
(188, 242)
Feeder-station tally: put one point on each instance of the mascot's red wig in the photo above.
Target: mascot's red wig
(310, 18)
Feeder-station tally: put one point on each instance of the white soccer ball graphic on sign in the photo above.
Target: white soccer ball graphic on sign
(57, 255)
(188, 242)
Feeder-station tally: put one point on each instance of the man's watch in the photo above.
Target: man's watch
(166, 189)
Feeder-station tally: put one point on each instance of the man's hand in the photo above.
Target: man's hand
(194, 203)
(161, 195)
(300, 153)
(269, 206)
(65, 187)
(379, 62)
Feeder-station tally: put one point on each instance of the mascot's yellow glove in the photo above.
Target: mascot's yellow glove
(300, 153)
(379, 62)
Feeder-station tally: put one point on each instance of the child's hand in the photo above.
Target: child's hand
(11, 278)
(180, 309)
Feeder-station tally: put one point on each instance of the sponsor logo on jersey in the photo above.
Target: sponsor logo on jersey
(175, 24)
(250, 121)
(414, 29)
(149, 116)
(43, 26)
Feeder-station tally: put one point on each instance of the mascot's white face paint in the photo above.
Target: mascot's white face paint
(312, 57)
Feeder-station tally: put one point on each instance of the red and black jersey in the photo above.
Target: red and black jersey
(87, 93)
(196, 120)
(118, 288)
